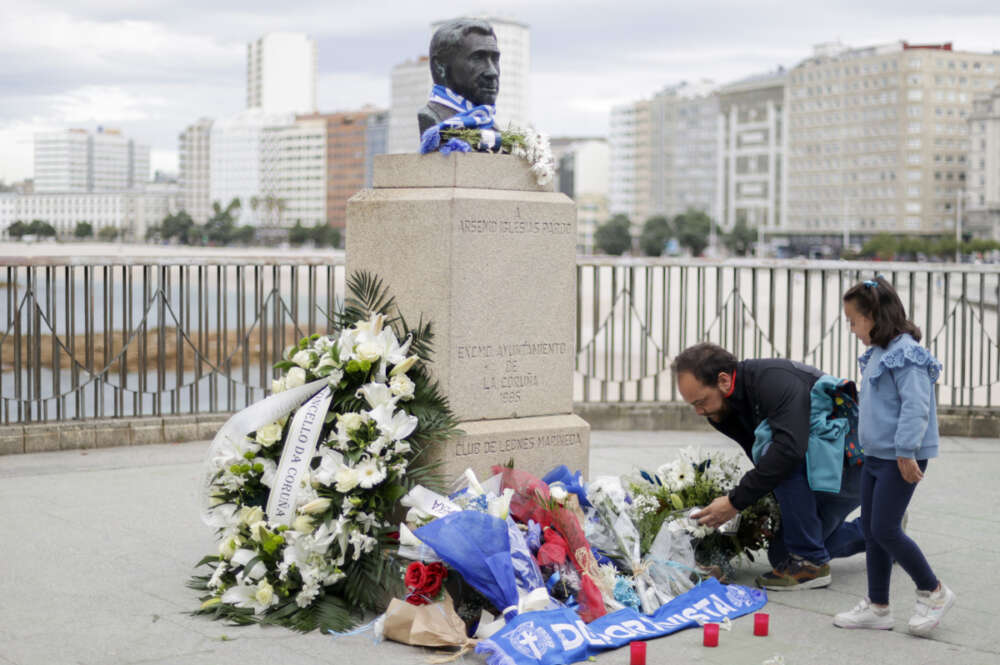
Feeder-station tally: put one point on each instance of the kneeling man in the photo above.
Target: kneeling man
(784, 415)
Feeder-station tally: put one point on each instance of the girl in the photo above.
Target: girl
(898, 433)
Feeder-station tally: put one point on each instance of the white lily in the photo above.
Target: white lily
(396, 425)
(243, 556)
(376, 394)
(330, 463)
(259, 597)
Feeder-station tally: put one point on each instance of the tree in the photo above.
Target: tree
(614, 236)
(693, 228)
(83, 230)
(17, 230)
(883, 246)
(41, 228)
(107, 233)
(298, 234)
(655, 233)
(244, 234)
(220, 226)
(741, 238)
(324, 235)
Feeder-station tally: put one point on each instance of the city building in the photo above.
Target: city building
(684, 130)
(349, 135)
(281, 73)
(877, 139)
(630, 150)
(983, 180)
(243, 150)
(293, 174)
(130, 212)
(750, 154)
(77, 160)
(583, 176)
(411, 84)
(195, 170)
(376, 141)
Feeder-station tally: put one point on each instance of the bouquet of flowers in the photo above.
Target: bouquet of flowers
(303, 504)
(528, 143)
(668, 497)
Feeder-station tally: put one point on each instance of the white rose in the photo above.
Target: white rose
(264, 594)
(303, 359)
(296, 377)
(269, 434)
(251, 514)
(257, 529)
(350, 421)
(402, 386)
(558, 493)
(346, 479)
(228, 547)
(315, 507)
(368, 351)
(303, 524)
(277, 386)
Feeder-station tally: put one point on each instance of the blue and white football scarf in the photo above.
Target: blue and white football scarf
(468, 117)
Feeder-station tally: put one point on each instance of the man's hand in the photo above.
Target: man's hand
(909, 469)
(717, 513)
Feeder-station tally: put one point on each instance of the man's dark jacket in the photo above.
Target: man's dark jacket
(779, 391)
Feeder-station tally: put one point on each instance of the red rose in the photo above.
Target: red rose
(416, 575)
(436, 575)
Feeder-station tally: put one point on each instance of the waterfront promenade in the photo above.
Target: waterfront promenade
(98, 545)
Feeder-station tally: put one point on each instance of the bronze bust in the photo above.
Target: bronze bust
(464, 58)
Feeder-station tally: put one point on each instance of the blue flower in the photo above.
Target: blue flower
(454, 145)
(572, 482)
(430, 140)
(625, 594)
(533, 537)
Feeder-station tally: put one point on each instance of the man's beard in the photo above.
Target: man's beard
(720, 414)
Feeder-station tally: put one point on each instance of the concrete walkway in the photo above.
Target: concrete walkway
(97, 546)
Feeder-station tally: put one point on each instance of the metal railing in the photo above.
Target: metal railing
(111, 338)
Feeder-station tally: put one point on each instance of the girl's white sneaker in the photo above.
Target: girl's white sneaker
(865, 615)
(931, 606)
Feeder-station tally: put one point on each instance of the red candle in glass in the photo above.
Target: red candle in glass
(711, 637)
(760, 620)
(638, 653)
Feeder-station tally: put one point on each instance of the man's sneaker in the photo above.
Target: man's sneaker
(931, 606)
(865, 615)
(796, 574)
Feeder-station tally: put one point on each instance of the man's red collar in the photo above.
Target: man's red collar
(732, 386)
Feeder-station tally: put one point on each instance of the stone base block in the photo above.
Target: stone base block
(110, 433)
(77, 437)
(209, 425)
(41, 438)
(180, 429)
(11, 440)
(145, 431)
(536, 444)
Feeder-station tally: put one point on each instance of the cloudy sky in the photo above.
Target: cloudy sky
(153, 67)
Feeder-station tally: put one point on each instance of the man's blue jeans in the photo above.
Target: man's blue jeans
(812, 523)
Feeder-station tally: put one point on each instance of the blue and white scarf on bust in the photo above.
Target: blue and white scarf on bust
(469, 117)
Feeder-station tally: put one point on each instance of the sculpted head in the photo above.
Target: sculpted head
(464, 56)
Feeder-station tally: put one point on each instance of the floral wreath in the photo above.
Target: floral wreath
(325, 563)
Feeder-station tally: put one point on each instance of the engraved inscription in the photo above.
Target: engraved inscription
(508, 369)
(517, 443)
(514, 227)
